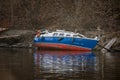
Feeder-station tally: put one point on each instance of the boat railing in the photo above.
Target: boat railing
(80, 35)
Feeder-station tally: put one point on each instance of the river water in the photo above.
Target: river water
(28, 64)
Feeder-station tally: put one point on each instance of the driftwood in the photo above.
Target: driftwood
(108, 46)
(11, 36)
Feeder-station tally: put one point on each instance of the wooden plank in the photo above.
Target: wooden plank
(108, 46)
(11, 36)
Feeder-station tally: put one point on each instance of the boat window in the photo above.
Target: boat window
(68, 35)
(55, 34)
(75, 36)
(61, 34)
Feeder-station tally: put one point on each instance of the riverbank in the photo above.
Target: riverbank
(24, 39)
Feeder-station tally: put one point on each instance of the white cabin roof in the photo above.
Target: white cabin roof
(62, 33)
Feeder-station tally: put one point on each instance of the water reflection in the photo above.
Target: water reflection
(64, 63)
(25, 64)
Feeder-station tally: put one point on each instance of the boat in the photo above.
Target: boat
(3, 29)
(64, 40)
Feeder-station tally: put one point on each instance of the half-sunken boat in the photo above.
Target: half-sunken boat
(64, 40)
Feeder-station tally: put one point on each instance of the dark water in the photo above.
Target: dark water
(26, 64)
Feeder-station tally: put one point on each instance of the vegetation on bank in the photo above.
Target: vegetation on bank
(63, 14)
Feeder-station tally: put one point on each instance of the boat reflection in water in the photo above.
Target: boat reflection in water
(64, 62)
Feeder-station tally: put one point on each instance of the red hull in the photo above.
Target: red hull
(61, 53)
(60, 47)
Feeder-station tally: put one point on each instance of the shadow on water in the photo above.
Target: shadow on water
(110, 65)
(16, 64)
(27, 64)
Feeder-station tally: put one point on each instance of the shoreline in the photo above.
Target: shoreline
(24, 39)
